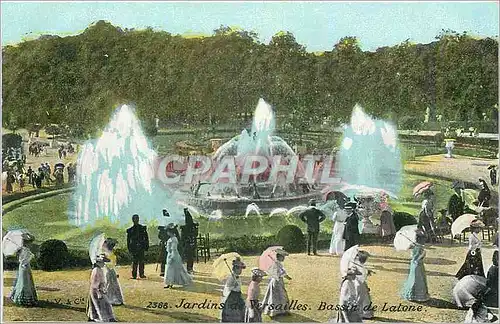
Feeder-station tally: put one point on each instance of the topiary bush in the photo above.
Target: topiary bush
(402, 219)
(54, 255)
(291, 238)
(253, 244)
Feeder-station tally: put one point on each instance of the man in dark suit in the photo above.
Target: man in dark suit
(312, 217)
(189, 239)
(137, 244)
(351, 230)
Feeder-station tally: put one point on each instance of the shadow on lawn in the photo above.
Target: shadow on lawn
(392, 320)
(404, 270)
(438, 303)
(47, 304)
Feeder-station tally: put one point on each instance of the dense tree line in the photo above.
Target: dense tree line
(78, 80)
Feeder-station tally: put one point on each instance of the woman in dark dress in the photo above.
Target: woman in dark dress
(473, 264)
(483, 199)
(491, 299)
(456, 204)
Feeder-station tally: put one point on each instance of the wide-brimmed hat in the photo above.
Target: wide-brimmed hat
(28, 237)
(171, 226)
(353, 271)
(351, 205)
(281, 252)
(102, 258)
(238, 263)
(257, 272)
(312, 202)
(477, 223)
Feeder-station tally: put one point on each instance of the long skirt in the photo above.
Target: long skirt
(175, 272)
(114, 293)
(234, 308)
(337, 243)
(473, 265)
(468, 290)
(365, 301)
(415, 286)
(257, 315)
(24, 291)
(276, 298)
(99, 310)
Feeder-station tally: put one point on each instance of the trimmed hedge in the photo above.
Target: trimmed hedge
(291, 238)
(54, 255)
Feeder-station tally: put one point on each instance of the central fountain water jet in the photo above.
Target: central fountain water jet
(115, 177)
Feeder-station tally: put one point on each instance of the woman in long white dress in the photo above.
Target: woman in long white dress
(175, 272)
(276, 298)
(99, 308)
(337, 243)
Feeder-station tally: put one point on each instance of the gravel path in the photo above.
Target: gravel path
(459, 167)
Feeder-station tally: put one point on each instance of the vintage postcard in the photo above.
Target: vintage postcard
(250, 161)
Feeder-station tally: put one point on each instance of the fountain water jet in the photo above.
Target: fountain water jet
(115, 177)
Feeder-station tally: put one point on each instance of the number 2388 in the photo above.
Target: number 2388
(157, 305)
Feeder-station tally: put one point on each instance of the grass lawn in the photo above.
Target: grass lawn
(314, 280)
(48, 219)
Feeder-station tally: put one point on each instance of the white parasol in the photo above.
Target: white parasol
(462, 223)
(13, 241)
(347, 260)
(405, 238)
(96, 247)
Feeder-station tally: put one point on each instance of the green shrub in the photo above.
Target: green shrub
(291, 238)
(254, 244)
(54, 255)
(78, 259)
(402, 219)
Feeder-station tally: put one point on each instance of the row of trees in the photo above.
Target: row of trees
(78, 80)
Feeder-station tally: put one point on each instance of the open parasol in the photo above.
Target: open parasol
(462, 223)
(405, 237)
(13, 241)
(221, 267)
(348, 258)
(268, 257)
(421, 187)
(96, 247)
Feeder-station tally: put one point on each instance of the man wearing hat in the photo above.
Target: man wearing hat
(351, 231)
(137, 244)
(312, 217)
(456, 204)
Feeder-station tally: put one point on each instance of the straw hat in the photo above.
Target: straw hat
(238, 263)
(353, 271)
(281, 252)
(477, 223)
(257, 272)
(102, 258)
